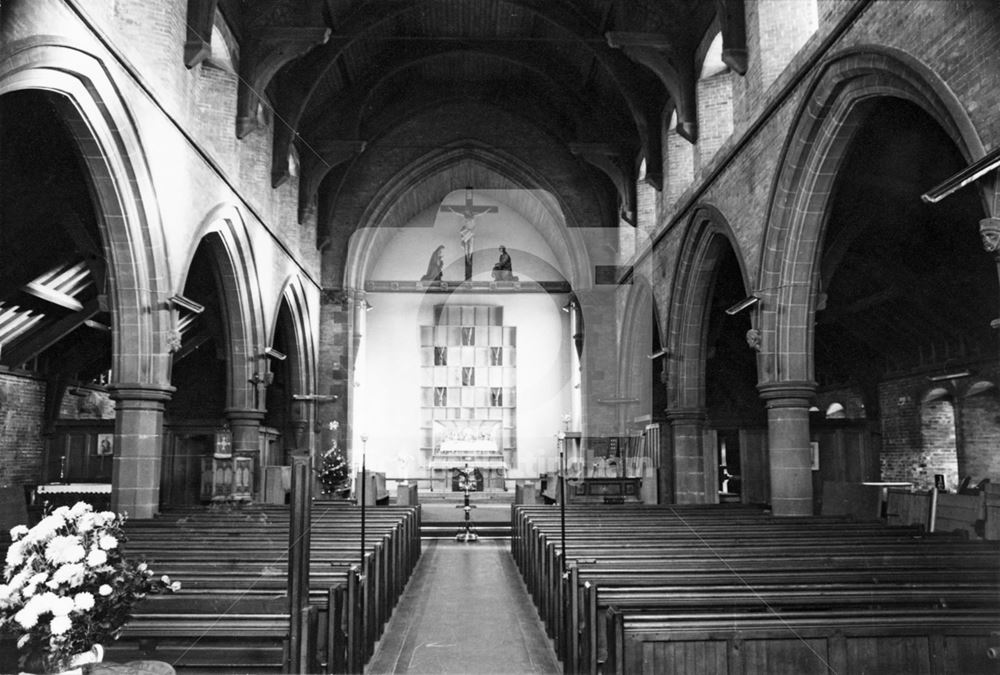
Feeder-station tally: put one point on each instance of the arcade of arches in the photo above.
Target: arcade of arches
(723, 247)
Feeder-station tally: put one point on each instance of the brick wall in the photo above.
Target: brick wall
(979, 456)
(680, 168)
(784, 26)
(22, 401)
(715, 115)
(920, 440)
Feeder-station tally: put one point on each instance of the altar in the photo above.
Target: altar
(481, 454)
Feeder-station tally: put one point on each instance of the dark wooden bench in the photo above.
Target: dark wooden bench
(677, 561)
(943, 640)
(233, 566)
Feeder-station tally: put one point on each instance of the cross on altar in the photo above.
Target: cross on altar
(469, 213)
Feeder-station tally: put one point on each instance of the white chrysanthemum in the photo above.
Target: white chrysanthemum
(71, 573)
(107, 517)
(43, 602)
(62, 606)
(85, 523)
(29, 590)
(44, 530)
(18, 531)
(108, 542)
(20, 579)
(6, 593)
(105, 590)
(165, 579)
(26, 618)
(142, 567)
(79, 509)
(60, 624)
(38, 578)
(175, 586)
(64, 549)
(96, 558)
(15, 554)
(83, 601)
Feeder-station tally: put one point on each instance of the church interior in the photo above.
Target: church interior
(513, 336)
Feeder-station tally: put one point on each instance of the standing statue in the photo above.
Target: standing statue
(435, 266)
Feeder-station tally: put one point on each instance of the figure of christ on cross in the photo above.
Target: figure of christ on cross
(469, 214)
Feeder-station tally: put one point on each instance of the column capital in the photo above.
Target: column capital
(790, 394)
(244, 414)
(141, 391)
(685, 415)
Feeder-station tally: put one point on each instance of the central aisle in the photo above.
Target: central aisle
(465, 610)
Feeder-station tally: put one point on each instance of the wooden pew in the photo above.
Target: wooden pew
(678, 558)
(218, 555)
(904, 640)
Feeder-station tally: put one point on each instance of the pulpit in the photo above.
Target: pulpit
(227, 478)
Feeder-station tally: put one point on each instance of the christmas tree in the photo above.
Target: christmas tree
(334, 472)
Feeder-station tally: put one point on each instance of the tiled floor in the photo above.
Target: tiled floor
(465, 610)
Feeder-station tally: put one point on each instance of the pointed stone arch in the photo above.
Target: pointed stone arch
(821, 134)
(111, 151)
(814, 152)
(101, 122)
(294, 321)
(707, 238)
(224, 233)
(639, 321)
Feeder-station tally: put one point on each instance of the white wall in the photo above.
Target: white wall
(387, 399)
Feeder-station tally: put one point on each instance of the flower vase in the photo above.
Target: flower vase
(36, 663)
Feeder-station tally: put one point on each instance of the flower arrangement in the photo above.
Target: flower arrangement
(67, 585)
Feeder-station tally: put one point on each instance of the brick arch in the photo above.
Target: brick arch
(224, 232)
(821, 134)
(113, 157)
(708, 234)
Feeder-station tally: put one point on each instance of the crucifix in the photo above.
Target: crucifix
(469, 214)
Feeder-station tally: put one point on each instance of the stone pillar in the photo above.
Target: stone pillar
(135, 477)
(244, 423)
(788, 444)
(688, 431)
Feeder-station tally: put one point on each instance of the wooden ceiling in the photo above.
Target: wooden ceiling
(593, 78)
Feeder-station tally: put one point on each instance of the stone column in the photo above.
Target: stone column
(135, 478)
(788, 444)
(688, 431)
(244, 423)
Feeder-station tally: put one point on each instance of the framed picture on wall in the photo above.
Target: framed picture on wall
(105, 444)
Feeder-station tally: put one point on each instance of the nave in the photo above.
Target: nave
(465, 610)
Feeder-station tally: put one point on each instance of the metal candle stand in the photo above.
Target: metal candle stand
(467, 535)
